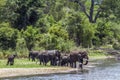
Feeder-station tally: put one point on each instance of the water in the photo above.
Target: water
(108, 69)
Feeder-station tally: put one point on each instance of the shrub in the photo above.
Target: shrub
(8, 37)
(116, 46)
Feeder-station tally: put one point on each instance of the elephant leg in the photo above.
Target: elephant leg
(51, 62)
(40, 61)
(71, 64)
(67, 63)
(55, 63)
(74, 64)
(81, 66)
(7, 62)
(11, 62)
(45, 63)
(33, 58)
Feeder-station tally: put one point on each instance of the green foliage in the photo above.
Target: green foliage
(116, 46)
(56, 38)
(104, 32)
(45, 23)
(30, 36)
(47, 41)
(58, 24)
(65, 45)
(2, 3)
(21, 47)
(116, 31)
(21, 13)
(8, 37)
(89, 30)
(58, 31)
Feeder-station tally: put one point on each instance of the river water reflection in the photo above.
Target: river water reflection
(108, 69)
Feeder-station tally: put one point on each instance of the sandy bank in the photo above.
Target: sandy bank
(14, 72)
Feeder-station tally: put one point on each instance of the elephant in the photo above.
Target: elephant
(65, 60)
(78, 56)
(33, 55)
(54, 56)
(43, 57)
(11, 59)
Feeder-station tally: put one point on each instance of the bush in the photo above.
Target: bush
(65, 45)
(30, 36)
(116, 46)
(8, 37)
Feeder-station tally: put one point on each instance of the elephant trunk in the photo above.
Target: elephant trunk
(86, 61)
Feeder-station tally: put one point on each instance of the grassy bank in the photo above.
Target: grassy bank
(21, 63)
(98, 54)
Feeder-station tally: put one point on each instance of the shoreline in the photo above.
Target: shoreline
(22, 72)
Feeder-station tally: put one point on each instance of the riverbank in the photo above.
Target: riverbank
(17, 72)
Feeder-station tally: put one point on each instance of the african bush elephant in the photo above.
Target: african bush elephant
(33, 55)
(43, 57)
(54, 56)
(11, 59)
(65, 60)
(78, 56)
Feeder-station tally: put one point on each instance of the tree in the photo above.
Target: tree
(30, 36)
(94, 9)
(8, 37)
(21, 13)
(91, 14)
(111, 10)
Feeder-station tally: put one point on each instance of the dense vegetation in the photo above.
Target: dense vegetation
(58, 24)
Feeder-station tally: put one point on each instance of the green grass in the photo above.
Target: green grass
(97, 54)
(23, 63)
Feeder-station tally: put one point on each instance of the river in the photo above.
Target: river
(106, 69)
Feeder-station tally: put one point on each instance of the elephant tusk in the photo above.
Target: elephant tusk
(86, 59)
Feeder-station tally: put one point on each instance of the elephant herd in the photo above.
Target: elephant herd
(56, 58)
(44, 57)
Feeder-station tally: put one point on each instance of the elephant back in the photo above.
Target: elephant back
(34, 53)
(74, 56)
(43, 56)
(54, 53)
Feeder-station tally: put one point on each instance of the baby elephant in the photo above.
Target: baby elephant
(65, 60)
(11, 59)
